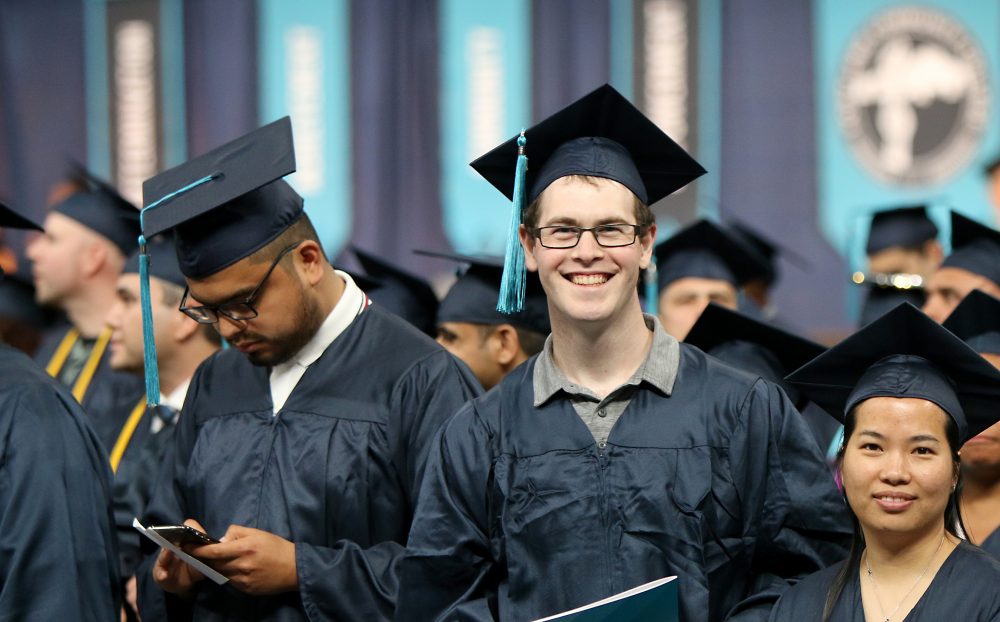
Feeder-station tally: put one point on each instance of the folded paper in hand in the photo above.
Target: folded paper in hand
(163, 543)
(655, 601)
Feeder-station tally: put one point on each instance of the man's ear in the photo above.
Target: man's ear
(528, 242)
(184, 328)
(309, 258)
(508, 346)
(647, 241)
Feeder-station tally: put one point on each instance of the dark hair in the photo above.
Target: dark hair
(299, 231)
(531, 342)
(952, 516)
(643, 215)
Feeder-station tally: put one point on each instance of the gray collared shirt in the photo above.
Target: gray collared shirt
(659, 369)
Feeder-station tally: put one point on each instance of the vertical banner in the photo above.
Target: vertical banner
(135, 90)
(485, 100)
(305, 73)
(676, 75)
(905, 95)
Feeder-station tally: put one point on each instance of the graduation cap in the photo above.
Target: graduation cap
(472, 297)
(17, 299)
(766, 248)
(879, 300)
(100, 208)
(601, 135)
(974, 247)
(976, 321)
(222, 206)
(706, 250)
(162, 261)
(905, 354)
(906, 226)
(13, 220)
(406, 295)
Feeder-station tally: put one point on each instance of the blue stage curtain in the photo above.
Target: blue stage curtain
(768, 176)
(394, 91)
(571, 51)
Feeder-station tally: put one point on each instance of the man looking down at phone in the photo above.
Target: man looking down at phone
(301, 446)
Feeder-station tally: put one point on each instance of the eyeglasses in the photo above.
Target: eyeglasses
(237, 311)
(566, 236)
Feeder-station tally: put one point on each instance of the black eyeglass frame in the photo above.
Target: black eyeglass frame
(209, 314)
(637, 230)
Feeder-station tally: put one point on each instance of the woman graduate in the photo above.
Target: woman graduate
(909, 393)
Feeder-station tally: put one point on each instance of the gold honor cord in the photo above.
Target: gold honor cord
(89, 368)
(125, 436)
(59, 358)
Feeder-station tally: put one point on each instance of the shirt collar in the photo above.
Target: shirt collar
(175, 399)
(352, 302)
(659, 369)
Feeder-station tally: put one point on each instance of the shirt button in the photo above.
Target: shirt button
(602, 413)
(602, 444)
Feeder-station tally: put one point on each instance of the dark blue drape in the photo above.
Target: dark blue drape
(768, 175)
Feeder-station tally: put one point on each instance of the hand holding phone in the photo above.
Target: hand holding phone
(183, 534)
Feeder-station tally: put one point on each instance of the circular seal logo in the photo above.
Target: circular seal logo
(913, 96)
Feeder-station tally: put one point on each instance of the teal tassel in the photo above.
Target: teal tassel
(652, 288)
(514, 280)
(148, 342)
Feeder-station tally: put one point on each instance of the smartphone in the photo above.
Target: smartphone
(183, 534)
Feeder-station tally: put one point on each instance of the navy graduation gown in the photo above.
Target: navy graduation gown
(58, 558)
(522, 515)
(110, 396)
(992, 544)
(336, 471)
(964, 588)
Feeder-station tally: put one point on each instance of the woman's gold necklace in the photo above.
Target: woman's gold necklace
(878, 600)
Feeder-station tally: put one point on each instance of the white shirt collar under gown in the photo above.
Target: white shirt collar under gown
(285, 376)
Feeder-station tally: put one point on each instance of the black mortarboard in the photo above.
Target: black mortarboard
(880, 300)
(162, 261)
(227, 204)
(905, 354)
(602, 135)
(907, 227)
(706, 250)
(100, 208)
(767, 249)
(404, 294)
(976, 321)
(974, 247)
(14, 220)
(472, 298)
(718, 325)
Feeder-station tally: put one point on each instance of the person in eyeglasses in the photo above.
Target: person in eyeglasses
(616, 456)
(300, 446)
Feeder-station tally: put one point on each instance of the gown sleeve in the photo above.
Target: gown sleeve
(430, 392)
(446, 570)
(801, 523)
(60, 560)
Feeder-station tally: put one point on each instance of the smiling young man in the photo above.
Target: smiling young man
(616, 456)
(302, 445)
